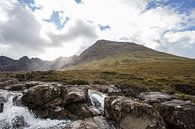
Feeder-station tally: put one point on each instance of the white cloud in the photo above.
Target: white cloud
(157, 28)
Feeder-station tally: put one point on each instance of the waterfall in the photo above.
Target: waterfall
(97, 99)
(16, 116)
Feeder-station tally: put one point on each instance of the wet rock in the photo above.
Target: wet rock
(18, 122)
(40, 95)
(155, 97)
(130, 114)
(30, 84)
(7, 81)
(80, 111)
(15, 87)
(1, 104)
(178, 114)
(90, 123)
(58, 102)
(74, 95)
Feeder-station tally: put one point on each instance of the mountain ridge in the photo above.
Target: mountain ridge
(100, 50)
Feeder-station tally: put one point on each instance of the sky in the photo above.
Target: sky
(51, 28)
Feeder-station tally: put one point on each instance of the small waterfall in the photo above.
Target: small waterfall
(97, 99)
(15, 116)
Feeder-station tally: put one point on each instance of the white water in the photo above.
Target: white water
(11, 112)
(97, 99)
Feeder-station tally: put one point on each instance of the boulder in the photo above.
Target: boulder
(40, 95)
(74, 95)
(178, 114)
(90, 123)
(155, 97)
(131, 114)
(58, 102)
(4, 82)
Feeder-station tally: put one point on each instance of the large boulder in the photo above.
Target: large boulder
(178, 114)
(40, 95)
(58, 102)
(131, 114)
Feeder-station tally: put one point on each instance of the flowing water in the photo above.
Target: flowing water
(97, 99)
(16, 116)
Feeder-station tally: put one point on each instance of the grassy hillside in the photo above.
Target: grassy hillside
(144, 68)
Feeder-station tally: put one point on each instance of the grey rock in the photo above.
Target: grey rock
(131, 114)
(155, 97)
(178, 114)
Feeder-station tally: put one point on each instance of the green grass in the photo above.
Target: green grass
(158, 72)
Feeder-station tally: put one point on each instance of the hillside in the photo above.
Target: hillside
(111, 55)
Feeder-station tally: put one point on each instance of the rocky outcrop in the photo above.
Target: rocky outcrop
(58, 102)
(178, 114)
(130, 114)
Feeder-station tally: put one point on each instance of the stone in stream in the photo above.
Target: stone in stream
(130, 114)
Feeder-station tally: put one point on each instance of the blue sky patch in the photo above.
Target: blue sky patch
(55, 18)
(182, 6)
(29, 3)
(78, 1)
(102, 27)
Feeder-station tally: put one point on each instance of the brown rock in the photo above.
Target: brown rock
(130, 114)
(178, 114)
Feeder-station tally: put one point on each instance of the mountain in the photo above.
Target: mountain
(103, 54)
(23, 64)
(111, 54)
(105, 48)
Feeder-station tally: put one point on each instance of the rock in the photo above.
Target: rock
(7, 81)
(18, 122)
(15, 87)
(155, 97)
(58, 102)
(40, 95)
(178, 114)
(185, 88)
(90, 123)
(74, 95)
(130, 114)
(1, 104)
(30, 84)
(79, 111)
(130, 90)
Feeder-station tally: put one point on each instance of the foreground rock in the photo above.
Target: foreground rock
(58, 102)
(130, 114)
(178, 114)
(90, 123)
